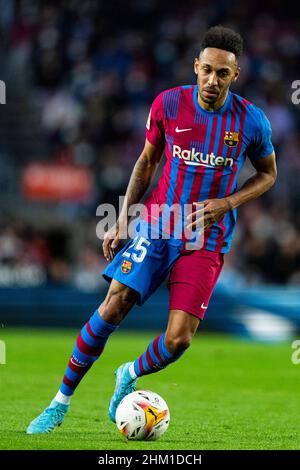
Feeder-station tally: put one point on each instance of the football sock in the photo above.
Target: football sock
(155, 358)
(61, 398)
(88, 348)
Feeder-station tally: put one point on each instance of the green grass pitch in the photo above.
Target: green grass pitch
(224, 393)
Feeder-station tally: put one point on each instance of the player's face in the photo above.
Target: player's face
(216, 70)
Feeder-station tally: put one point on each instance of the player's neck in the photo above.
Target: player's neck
(212, 106)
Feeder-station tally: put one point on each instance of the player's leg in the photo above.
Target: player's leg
(192, 280)
(92, 338)
(162, 351)
(167, 347)
(88, 348)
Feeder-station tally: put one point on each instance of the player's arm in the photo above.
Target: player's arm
(212, 210)
(140, 180)
(141, 176)
(256, 185)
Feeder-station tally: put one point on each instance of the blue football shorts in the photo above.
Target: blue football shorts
(143, 264)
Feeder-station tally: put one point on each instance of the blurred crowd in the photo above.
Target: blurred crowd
(30, 257)
(91, 70)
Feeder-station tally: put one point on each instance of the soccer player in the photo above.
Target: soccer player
(206, 132)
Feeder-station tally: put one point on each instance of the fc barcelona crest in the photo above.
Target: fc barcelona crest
(231, 139)
(126, 266)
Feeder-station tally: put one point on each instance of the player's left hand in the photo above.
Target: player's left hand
(207, 212)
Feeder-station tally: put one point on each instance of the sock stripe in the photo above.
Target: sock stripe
(77, 368)
(140, 363)
(145, 363)
(82, 358)
(90, 331)
(149, 359)
(65, 390)
(69, 382)
(88, 347)
(156, 357)
(165, 354)
(101, 327)
(156, 350)
(71, 375)
(152, 353)
(87, 350)
(87, 338)
(73, 365)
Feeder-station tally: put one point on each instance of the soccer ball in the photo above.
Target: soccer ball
(143, 415)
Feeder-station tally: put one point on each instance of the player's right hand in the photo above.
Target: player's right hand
(111, 240)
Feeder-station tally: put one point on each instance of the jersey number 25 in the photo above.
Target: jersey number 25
(139, 250)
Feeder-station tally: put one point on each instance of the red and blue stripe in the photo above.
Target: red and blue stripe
(88, 348)
(155, 357)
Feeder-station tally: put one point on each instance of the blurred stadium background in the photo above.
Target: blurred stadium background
(80, 76)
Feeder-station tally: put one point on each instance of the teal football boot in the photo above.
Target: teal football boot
(50, 418)
(124, 385)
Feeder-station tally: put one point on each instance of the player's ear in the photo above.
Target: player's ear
(196, 63)
(236, 74)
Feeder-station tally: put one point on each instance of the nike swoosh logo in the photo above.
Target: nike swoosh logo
(203, 306)
(183, 130)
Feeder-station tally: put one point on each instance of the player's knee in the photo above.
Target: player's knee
(111, 311)
(177, 344)
(117, 304)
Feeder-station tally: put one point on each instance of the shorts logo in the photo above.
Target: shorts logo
(126, 266)
(231, 139)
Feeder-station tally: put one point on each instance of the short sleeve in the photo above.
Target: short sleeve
(155, 128)
(261, 144)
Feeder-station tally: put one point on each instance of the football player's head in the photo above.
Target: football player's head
(217, 65)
